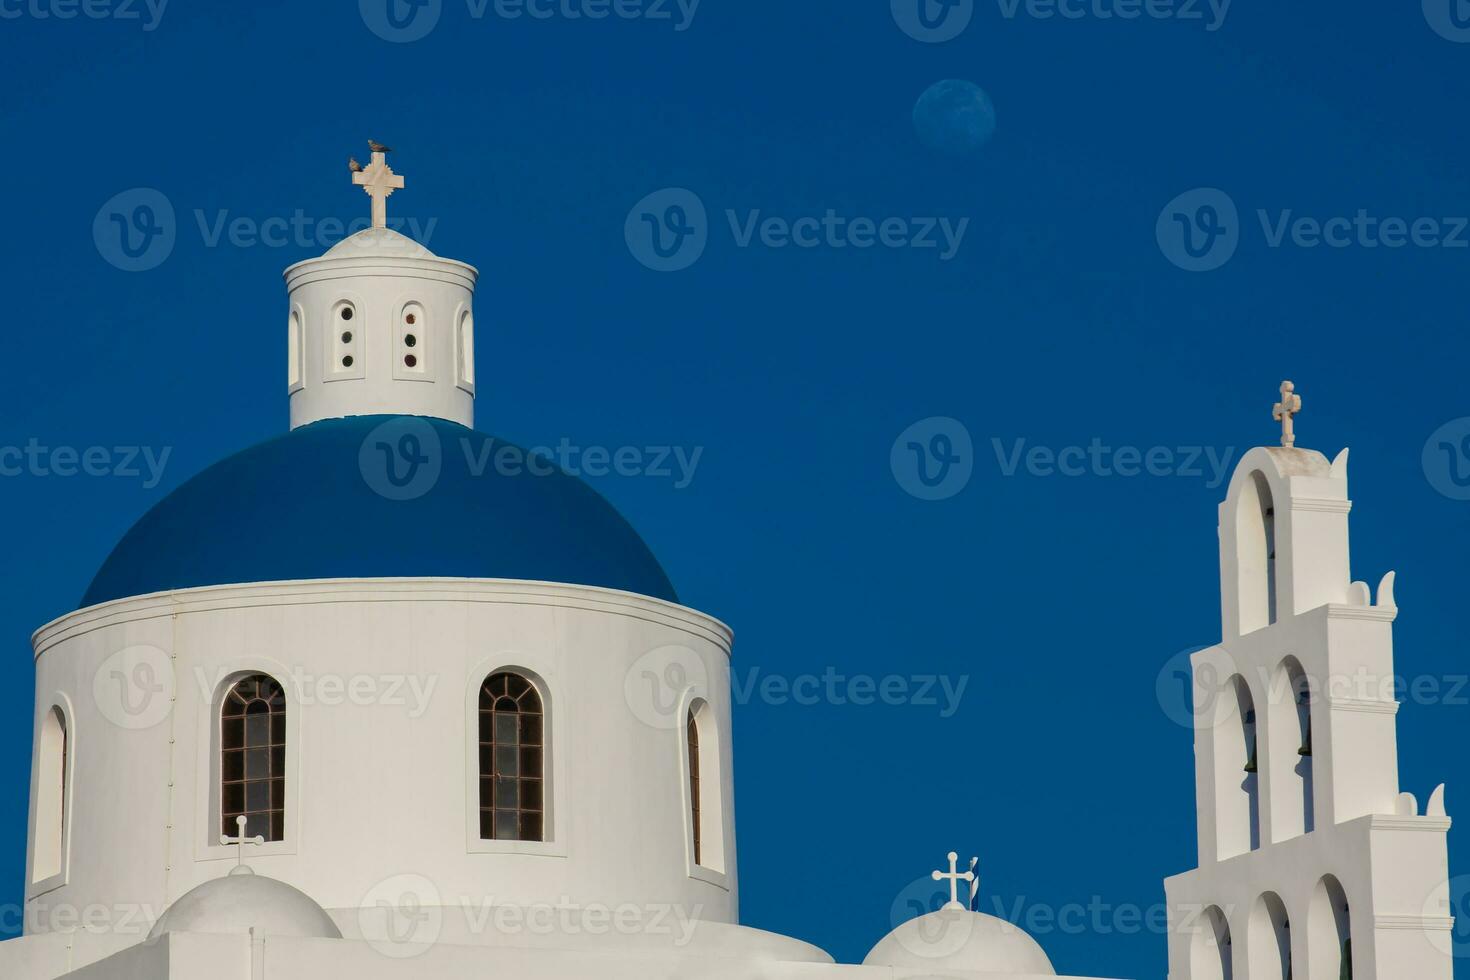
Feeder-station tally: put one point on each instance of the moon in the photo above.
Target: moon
(954, 117)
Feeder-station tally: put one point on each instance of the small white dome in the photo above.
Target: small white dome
(378, 243)
(955, 942)
(238, 903)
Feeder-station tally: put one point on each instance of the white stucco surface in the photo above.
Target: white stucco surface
(382, 679)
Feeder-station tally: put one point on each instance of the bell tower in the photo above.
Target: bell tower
(1312, 864)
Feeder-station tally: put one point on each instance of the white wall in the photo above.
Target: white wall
(386, 786)
(187, 956)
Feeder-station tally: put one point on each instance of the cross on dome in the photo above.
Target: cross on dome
(240, 840)
(955, 876)
(1286, 410)
(378, 180)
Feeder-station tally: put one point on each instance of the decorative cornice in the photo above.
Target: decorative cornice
(322, 591)
(1415, 923)
(1373, 706)
(1321, 505)
(1376, 614)
(439, 270)
(1428, 825)
(379, 264)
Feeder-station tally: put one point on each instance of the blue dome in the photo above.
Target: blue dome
(380, 496)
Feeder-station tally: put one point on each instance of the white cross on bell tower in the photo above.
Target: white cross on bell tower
(378, 180)
(1285, 411)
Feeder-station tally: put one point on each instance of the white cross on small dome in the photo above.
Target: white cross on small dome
(378, 180)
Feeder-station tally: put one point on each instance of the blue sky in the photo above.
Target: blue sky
(1064, 315)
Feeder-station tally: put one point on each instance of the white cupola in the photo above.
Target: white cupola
(380, 325)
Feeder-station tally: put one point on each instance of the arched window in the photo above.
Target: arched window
(51, 779)
(253, 758)
(512, 759)
(693, 732)
(706, 789)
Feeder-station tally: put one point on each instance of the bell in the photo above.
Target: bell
(1306, 749)
(1250, 764)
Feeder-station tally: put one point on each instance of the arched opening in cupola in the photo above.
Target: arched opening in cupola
(465, 349)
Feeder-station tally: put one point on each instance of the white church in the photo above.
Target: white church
(471, 731)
